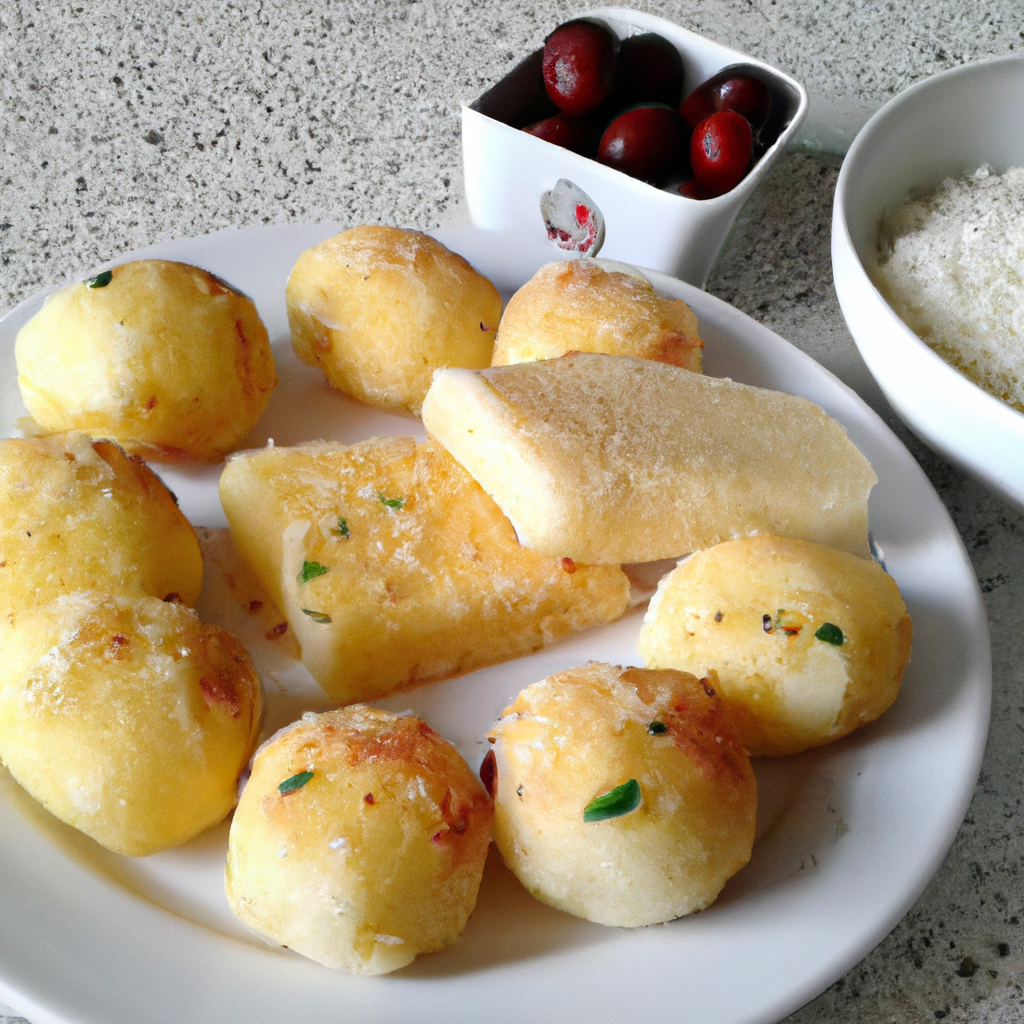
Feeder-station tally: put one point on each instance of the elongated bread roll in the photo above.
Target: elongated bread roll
(610, 459)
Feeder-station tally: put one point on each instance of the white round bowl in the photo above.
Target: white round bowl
(947, 125)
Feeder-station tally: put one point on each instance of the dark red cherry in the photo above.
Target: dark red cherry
(646, 142)
(720, 151)
(648, 69)
(746, 95)
(578, 66)
(576, 133)
(699, 105)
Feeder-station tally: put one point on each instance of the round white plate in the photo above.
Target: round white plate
(848, 835)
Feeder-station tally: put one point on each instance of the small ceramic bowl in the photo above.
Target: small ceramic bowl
(507, 171)
(947, 125)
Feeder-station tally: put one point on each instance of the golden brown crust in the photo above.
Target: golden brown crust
(751, 611)
(128, 719)
(378, 309)
(429, 586)
(375, 855)
(578, 306)
(582, 733)
(80, 514)
(164, 359)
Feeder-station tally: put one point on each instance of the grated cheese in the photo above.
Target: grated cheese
(950, 264)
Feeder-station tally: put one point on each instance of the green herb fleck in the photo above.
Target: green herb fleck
(657, 728)
(310, 571)
(101, 280)
(322, 617)
(613, 804)
(342, 530)
(830, 634)
(391, 502)
(295, 782)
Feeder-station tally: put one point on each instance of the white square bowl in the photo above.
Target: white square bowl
(507, 170)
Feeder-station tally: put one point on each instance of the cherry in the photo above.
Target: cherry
(648, 69)
(720, 150)
(699, 105)
(578, 65)
(576, 133)
(646, 142)
(746, 95)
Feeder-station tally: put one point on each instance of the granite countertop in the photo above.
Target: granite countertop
(123, 126)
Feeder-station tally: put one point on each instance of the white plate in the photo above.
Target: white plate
(848, 836)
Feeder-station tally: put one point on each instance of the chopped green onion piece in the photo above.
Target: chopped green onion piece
(342, 529)
(294, 783)
(830, 634)
(657, 728)
(613, 804)
(101, 280)
(391, 502)
(310, 571)
(322, 617)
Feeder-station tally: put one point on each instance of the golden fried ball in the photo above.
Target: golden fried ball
(808, 642)
(623, 796)
(126, 718)
(162, 357)
(359, 840)
(579, 306)
(378, 309)
(78, 514)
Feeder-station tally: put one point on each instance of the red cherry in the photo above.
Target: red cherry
(578, 65)
(648, 69)
(575, 133)
(699, 105)
(746, 95)
(646, 142)
(720, 151)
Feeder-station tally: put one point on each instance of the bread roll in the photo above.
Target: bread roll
(378, 309)
(623, 796)
(79, 514)
(126, 718)
(609, 459)
(579, 306)
(164, 358)
(394, 568)
(807, 642)
(359, 840)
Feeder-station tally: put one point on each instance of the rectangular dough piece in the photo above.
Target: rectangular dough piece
(611, 459)
(393, 567)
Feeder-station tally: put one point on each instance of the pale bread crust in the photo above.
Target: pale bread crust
(579, 734)
(785, 689)
(377, 858)
(578, 306)
(431, 586)
(611, 459)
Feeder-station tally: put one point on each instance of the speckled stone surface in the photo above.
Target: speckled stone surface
(122, 126)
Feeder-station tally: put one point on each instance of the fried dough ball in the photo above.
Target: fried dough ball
(623, 796)
(359, 840)
(579, 306)
(78, 514)
(808, 642)
(164, 358)
(126, 718)
(378, 309)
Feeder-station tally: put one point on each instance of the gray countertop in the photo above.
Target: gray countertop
(123, 126)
